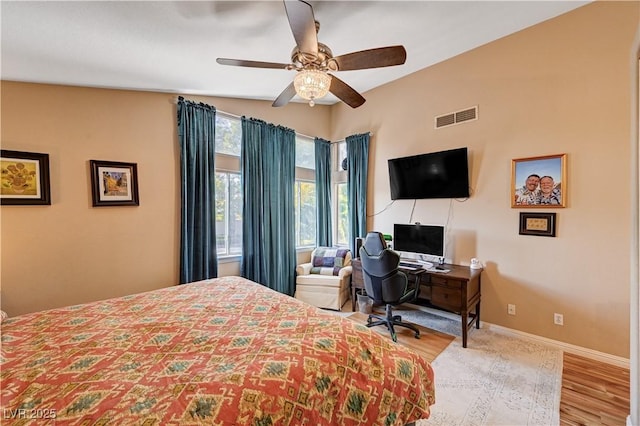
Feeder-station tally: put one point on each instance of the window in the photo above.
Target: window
(228, 214)
(305, 192)
(305, 205)
(228, 135)
(342, 156)
(341, 196)
(228, 189)
(342, 217)
(229, 192)
(305, 152)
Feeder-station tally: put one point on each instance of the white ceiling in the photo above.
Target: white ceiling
(171, 46)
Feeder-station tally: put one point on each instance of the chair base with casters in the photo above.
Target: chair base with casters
(390, 321)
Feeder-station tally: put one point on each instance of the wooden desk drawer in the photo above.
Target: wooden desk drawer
(445, 282)
(446, 298)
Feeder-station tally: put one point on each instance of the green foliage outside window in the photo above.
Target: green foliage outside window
(228, 213)
(343, 214)
(305, 205)
(305, 152)
(228, 135)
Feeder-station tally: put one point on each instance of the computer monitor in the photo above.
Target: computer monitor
(425, 240)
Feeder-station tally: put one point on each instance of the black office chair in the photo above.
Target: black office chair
(374, 243)
(386, 285)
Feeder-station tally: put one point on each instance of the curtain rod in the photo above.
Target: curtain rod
(344, 139)
(228, 114)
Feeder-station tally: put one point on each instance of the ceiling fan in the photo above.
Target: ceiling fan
(313, 61)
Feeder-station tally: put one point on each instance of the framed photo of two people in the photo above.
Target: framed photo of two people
(539, 181)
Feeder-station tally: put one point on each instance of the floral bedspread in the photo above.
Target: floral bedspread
(225, 351)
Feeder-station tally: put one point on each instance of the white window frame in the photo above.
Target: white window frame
(339, 176)
(228, 163)
(227, 216)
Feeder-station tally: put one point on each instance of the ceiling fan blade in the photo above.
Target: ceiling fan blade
(303, 25)
(372, 58)
(252, 64)
(345, 92)
(286, 95)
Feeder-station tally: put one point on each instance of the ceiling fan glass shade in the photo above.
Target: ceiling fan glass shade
(312, 84)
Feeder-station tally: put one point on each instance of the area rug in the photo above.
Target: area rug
(499, 379)
(430, 344)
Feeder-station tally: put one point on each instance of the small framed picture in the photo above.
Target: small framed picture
(540, 224)
(539, 182)
(114, 183)
(25, 178)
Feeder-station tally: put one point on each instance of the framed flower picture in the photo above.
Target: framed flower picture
(25, 178)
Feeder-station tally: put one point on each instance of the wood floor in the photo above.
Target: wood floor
(593, 393)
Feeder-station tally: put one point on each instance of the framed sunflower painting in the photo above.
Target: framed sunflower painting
(24, 179)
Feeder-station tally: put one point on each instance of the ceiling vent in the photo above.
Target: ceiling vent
(457, 117)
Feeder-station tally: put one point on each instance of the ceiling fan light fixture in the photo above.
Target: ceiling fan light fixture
(312, 84)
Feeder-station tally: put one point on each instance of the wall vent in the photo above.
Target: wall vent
(457, 117)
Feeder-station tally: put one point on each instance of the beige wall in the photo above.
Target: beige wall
(70, 252)
(559, 87)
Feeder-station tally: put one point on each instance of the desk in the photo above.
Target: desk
(456, 291)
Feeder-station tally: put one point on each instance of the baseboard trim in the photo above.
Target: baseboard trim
(567, 347)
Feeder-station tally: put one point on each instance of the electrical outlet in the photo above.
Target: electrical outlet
(511, 309)
(558, 319)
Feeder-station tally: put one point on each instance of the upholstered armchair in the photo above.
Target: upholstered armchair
(324, 282)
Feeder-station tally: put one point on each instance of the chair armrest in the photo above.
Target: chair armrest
(303, 268)
(345, 272)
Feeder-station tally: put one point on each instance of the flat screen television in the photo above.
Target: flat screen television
(427, 240)
(443, 174)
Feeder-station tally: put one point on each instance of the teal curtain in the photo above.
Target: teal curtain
(357, 168)
(196, 135)
(268, 229)
(323, 192)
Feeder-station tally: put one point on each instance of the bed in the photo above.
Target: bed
(225, 351)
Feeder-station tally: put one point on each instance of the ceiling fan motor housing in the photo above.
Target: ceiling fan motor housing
(322, 61)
